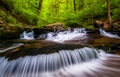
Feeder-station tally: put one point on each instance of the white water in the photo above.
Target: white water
(104, 33)
(106, 65)
(33, 66)
(27, 36)
(67, 35)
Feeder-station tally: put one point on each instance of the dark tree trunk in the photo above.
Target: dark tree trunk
(74, 5)
(109, 14)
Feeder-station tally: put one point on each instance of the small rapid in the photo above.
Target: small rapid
(77, 33)
(27, 35)
(104, 33)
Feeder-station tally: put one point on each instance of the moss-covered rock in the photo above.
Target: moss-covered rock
(56, 26)
(7, 31)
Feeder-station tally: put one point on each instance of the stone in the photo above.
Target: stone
(56, 26)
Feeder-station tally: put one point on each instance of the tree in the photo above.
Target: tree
(38, 12)
(40, 5)
(109, 14)
(74, 1)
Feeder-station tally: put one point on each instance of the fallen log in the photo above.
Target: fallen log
(11, 48)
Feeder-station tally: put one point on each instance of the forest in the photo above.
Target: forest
(59, 38)
(73, 13)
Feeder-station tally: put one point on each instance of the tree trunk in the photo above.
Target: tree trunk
(38, 12)
(40, 6)
(74, 5)
(109, 15)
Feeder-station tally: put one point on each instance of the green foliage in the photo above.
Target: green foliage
(115, 9)
(116, 14)
(87, 11)
(7, 18)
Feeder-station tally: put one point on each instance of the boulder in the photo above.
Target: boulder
(101, 24)
(56, 26)
(98, 24)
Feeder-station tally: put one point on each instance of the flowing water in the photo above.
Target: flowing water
(104, 33)
(85, 62)
(105, 66)
(27, 35)
(32, 66)
(61, 36)
(73, 34)
(53, 57)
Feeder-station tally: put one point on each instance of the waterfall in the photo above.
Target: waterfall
(67, 35)
(105, 66)
(84, 62)
(33, 66)
(104, 33)
(27, 36)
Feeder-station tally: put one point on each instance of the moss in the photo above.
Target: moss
(9, 31)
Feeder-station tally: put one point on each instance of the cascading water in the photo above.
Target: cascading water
(104, 33)
(105, 66)
(33, 66)
(67, 35)
(84, 62)
(27, 36)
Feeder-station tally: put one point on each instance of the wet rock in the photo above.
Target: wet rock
(101, 24)
(98, 24)
(116, 47)
(39, 31)
(92, 31)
